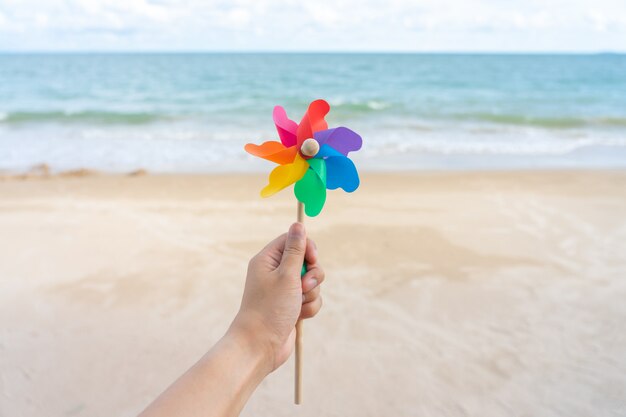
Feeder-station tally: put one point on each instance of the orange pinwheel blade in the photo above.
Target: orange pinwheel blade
(313, 120)
(284, 175)
(273, 151)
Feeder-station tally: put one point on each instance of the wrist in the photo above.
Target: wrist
(248, 335)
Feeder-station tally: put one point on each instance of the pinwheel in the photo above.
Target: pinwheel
(315, 158)
(311, 156)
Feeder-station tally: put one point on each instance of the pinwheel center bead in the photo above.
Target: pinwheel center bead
(310, 147)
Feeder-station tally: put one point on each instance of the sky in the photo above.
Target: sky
(320, 25)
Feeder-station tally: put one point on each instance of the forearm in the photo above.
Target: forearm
(219, 384)
(261, 337)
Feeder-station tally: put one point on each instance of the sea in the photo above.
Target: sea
(194, 112)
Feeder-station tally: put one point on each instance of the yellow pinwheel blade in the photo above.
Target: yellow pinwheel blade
(284, 175)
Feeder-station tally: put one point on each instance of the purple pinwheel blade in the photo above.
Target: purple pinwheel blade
(341, 139)
(341, 172)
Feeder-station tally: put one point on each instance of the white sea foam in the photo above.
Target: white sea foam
(197, 148)
(468, 145)
(378, 105)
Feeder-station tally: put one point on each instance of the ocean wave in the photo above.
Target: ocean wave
(82, 117)
(195, 148)
(513, 143)
(559, 122)
(359, 106)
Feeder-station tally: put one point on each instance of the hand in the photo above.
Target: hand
(275, 296)
(261, 337)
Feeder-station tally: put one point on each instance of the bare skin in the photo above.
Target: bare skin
(261, 337)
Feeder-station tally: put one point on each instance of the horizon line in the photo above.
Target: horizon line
(380, 52)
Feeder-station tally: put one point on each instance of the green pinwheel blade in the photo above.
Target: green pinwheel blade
(311, 189)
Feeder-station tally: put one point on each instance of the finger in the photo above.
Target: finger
(310, 255)
(293, 253)
(315, 273)
(278, 243)
(309, 296)
(309, 282)
(311, 252)
(271, 255)
(311, 309)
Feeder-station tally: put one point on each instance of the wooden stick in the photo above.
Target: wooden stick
(298, 382)
(300, 212)
(298, 374)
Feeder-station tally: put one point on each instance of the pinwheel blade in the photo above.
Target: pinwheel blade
(284, 175)
(287, 128)
(313, 120)
(311, 189)
(341, 172)
(326, 151)
(342, 139)
(273, 151)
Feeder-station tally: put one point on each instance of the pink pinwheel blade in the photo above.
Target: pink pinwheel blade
(341, 139)
(287, 128)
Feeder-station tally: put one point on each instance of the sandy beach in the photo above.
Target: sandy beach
(447, 294)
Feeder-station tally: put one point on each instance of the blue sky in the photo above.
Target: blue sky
(322, 25)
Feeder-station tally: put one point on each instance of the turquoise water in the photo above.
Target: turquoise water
(194, 112)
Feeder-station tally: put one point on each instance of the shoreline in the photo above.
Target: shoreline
(45, 171)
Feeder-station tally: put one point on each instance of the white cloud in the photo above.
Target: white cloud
(321, 14)
(238, 17)
(321, 25)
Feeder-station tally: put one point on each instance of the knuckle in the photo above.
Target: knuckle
(321, 274)
(293, 250)
(252, 262)
(311, 295)
(311, 309)
(285, 273)
(315, 292)
(306, 312)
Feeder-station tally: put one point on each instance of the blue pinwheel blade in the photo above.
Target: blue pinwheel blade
(327, 151)
(341, 173)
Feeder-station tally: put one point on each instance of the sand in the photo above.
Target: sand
(447, 294)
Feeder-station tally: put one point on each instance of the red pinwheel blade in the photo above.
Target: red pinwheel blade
(313, 120)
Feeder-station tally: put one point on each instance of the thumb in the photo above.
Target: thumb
(293, 254)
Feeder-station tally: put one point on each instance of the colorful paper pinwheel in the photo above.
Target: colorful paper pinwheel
(311, 156)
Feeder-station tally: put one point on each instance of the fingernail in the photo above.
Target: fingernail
(303, 298)
(313, 284)
(296, 230)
